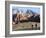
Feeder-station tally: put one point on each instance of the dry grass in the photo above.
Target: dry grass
(25, 26)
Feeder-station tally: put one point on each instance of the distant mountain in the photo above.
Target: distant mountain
(30, 12)
(31, 16)
(34, 16)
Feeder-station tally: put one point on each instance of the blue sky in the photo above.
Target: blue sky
(34, 9)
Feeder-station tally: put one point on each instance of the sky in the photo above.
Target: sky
(24, 9)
